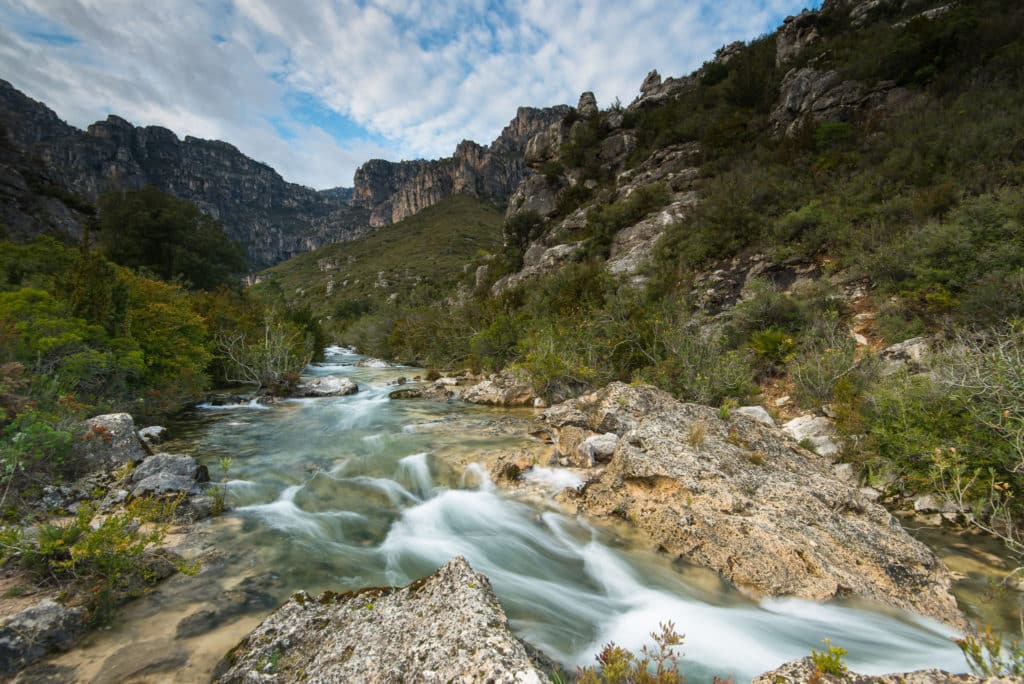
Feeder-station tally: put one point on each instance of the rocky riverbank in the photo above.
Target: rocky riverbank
(129, 491)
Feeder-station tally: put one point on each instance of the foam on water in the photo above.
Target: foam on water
(554, 479)
(251, 404)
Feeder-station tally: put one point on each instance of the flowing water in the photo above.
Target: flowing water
(353, 491)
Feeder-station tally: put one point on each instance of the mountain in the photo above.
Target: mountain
(271, 218)
(392, 191)
(51, 173)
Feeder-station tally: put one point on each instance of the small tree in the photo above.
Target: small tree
(271, 359)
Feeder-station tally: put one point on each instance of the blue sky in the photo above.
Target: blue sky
(316, 88)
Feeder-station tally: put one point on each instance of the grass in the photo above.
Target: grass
(422, 254)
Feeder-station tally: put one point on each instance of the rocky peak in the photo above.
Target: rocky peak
(392, 191)
(587, 105)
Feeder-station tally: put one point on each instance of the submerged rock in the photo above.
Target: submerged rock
(326, 386)
(37, 631)
(738, 497)
(804, 670)
(448, 627)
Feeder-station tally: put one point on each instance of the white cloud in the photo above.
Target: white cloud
(416, 76)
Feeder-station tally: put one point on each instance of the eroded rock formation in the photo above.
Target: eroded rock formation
(392, 191)
(743, 499)
(448, 627)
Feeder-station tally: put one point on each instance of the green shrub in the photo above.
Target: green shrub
(829, 661)
(990, 655)
(618, 666)
(605, 221)
(106, 562)
(823, 361)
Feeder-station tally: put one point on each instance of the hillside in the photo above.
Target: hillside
(827, 221)
(418, 258)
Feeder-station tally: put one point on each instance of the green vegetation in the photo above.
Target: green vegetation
(419, 259)
(147, 229)
(917, 195)
(990, 655)
(616, 665)
(101, 564)
(829, 661)
(81, 335)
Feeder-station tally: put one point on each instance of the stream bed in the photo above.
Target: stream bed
(346, 492)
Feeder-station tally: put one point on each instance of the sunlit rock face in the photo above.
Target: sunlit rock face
(392, 191)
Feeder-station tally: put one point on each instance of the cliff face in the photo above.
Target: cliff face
(271, 218)
(391, 191)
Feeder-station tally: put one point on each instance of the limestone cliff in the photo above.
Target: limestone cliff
(392, 191)
(43, 156)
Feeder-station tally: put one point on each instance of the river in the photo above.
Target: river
(356, 491)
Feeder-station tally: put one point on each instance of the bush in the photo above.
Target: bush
(822, 362)
(106, 562)
(271, 359)
(618, 666)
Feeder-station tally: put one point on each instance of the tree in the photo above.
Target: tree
(148, 229)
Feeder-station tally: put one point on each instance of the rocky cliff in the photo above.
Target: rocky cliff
(392, 191)
(44, 159)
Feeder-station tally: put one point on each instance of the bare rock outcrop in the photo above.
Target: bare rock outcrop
(804, 670)
(743, 499)
(392, 191)
(448, 627)
(508, 388)
(809, 95)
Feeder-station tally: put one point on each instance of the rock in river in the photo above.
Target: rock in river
(739, 497)
(448, 627)
(326, 386)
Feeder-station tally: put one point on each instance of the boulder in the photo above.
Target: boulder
(168, 474)
(738, 497)
(326, 386)
(429, 393)
(804, 670)
(448, 627)
(908, 354)
(509, 388)
(817, 431)
(533, 194)
(372, 363)
(37, 631)
(757, 413)
(107, 442)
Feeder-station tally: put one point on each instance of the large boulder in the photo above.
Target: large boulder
(106, 442)
(741, 498)
(168, 474)
(804, 670)
(37, 631)
(448, 627)
(326, 386)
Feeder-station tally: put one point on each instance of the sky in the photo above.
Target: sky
(316, 88)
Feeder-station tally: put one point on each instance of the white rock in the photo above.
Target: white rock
(758, 413)
(818, 430)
